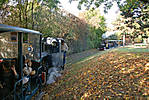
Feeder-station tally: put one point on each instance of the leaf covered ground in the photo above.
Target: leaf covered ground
(113, 75)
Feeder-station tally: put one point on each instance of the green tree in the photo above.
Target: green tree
(134, 11)
(23, 11)
(46, 17)
(97, 26)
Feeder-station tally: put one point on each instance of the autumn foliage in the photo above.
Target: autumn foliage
(110, 76)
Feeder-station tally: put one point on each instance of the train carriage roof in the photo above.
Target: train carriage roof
(7, 28)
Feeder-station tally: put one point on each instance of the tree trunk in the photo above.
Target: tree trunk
(20, 19)
(124, 40)
(26, 19)
(32, 15)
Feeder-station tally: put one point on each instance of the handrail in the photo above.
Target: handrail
(19, 81)
(8, 58)
(15, 87)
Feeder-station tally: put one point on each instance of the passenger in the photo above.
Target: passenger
(15, 72)
(64, 49)
(8, 79)
(27, 70)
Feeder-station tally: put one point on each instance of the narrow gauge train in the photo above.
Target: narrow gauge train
(24, 61)
(52, 55)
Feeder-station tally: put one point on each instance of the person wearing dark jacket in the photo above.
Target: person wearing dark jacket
(64, 49)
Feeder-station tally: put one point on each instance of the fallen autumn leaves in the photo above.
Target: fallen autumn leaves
(112, 75)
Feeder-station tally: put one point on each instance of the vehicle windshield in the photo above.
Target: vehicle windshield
(9, 45)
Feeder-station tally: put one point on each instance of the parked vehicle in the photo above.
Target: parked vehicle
(102, 46)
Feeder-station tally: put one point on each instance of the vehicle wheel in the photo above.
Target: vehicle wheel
(62, 67)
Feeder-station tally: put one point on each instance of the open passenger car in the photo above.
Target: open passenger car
(20, 50)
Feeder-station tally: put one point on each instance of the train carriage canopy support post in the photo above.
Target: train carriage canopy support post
(20, 58)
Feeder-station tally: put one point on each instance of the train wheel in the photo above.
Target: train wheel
(45, 96)
(62, 67)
